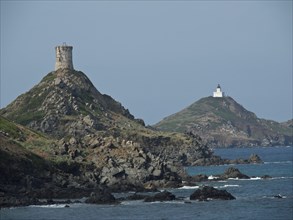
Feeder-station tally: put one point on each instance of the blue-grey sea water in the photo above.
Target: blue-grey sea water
(254, 198)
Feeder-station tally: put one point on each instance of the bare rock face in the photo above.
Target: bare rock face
(131, 165)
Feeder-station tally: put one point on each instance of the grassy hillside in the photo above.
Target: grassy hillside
(224, 122)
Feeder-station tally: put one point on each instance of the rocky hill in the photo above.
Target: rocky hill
(93, 139)
(222, 122)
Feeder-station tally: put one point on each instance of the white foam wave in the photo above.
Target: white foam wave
(278, 162)
(252, 178)
(259, 178)
(131, 202)
(228, 185)
(282, 177)
(189, 187)
(170, 202)
(233, 178)
(255, 178)
(54, 206)
(213, 177)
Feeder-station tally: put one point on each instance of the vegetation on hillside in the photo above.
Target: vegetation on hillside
(224, 122)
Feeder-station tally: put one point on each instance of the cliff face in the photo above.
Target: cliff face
(94, 139)
(222, 122)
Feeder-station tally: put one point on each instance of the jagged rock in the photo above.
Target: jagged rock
(208, 192)
(162, 196)
(233, 172)
(254, 158)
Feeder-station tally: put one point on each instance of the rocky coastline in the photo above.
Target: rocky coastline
(104, 195)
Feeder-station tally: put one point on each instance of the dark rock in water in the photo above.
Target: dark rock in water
(162, 196)
(192, 180)
(254, 158)
(266, 177)
(101, 197)
(233, 172)
(208, 192)
(216, 160)
(66, 206)
(279, 196)
(137, 197)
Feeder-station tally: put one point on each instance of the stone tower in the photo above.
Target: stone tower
(63, 57)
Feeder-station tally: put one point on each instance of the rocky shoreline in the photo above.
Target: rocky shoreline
(104, 195)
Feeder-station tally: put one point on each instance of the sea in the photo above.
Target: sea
(256, 198)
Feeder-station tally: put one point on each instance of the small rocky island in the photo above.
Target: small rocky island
(222, 122)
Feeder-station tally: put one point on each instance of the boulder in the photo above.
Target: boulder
(161, 196)
(157, 173)
(208, 192)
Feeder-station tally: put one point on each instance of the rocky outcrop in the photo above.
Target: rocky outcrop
(208, 192)
(160, 197)
(254, 158)
(230, 173)
(216, 160)
(234, 173)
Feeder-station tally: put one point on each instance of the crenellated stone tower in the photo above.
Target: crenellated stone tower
(63, 57)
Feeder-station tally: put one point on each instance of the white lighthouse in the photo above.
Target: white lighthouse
(63, 57)
(218, 93)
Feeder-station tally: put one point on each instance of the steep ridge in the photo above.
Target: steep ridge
(99, 137)
(222, 122)
(59, 100)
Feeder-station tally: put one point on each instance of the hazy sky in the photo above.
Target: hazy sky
(156, 57)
